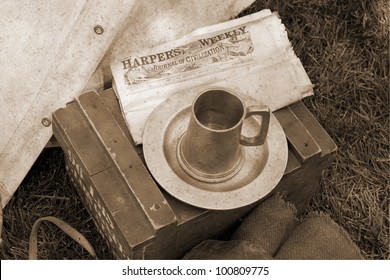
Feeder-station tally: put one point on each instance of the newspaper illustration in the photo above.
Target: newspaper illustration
(177, 64)
(250, 54)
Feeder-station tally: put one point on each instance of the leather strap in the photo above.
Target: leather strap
(69, 230)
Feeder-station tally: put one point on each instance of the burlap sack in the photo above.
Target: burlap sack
(227, 250)
(268, 225)
(319, 238)
(271, 230)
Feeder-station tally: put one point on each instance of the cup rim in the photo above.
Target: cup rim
(239, 122)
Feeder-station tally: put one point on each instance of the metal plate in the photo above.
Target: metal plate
(263, 168)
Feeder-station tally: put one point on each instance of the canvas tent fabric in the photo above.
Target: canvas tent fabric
(52, 52)
(48, 52)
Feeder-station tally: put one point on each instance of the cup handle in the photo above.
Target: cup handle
(259, 139)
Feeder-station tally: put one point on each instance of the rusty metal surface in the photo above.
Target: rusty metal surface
(263, 167)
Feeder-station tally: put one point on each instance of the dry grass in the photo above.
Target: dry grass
(344, 47)
(46, 191)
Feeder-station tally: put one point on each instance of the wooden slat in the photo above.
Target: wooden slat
(112, 103)
(128, 217)
(68, 71)
(322, 138)
(299, 138)
(71, 127)
(126, 159)
(106, 192)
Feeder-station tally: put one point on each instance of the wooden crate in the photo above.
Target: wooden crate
(137, 218)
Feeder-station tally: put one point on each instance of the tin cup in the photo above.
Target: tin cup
(211, 148)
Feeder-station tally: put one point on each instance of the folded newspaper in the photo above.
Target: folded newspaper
(251, 54)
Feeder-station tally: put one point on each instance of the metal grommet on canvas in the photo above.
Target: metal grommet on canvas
(98, 29)
(46, 122)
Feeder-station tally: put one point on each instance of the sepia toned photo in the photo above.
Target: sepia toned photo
(194, 130)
